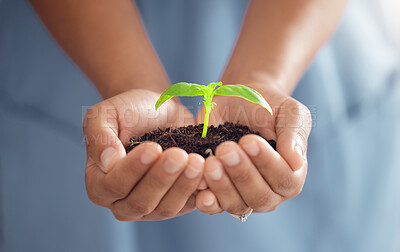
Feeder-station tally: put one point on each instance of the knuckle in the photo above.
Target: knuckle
(261, 202)
(285, 186)
(288, 186)
(240, 175)
(88, 182)
(297, 108)
(165, 213)
(304, 111)
(302, 134)
(301, 112)
(297, 191)
(120, 217)
(92, 193)
(89, 177)
(139, 208)
(93, 198)
(306, 120)
(237, 209)
(114, 189)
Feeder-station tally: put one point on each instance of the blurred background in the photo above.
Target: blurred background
(350, 201)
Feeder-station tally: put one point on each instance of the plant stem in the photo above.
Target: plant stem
(207, 110)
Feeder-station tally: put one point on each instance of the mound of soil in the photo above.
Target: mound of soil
(189, 137)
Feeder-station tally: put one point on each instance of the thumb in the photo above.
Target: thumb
(100, 127)
(293, 126)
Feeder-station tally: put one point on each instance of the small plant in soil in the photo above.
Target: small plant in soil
(202, 139)
(208, 92)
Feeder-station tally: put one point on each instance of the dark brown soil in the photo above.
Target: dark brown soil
(189, 138)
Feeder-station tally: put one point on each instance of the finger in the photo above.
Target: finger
(207, 202)
(180, 192)
(293, 126)
(223, 188)
(251, 185)
(271, 165)
(148, 193)
(104, 189)
(100, 127)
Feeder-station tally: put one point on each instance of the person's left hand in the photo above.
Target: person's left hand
(251, 174)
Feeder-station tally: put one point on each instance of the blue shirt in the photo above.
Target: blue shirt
(350, 201)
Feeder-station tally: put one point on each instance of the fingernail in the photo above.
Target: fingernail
(191, 171)
(251, 148)
(209, 202)
(203, 185)
(216, 173)
(148, 157)
(231, 158)
(106, 158)
(171, 165)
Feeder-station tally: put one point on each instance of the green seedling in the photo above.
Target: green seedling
(214, 88)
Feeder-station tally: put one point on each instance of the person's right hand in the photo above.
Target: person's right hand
(147, 183)
(250, 174)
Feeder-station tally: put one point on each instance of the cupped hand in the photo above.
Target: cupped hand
(147, 183)
(251, 174)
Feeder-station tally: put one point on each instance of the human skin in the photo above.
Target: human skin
(108, 42)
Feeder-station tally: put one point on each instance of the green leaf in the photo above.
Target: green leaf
(180, 89)
(245, 93)
(213, 85)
